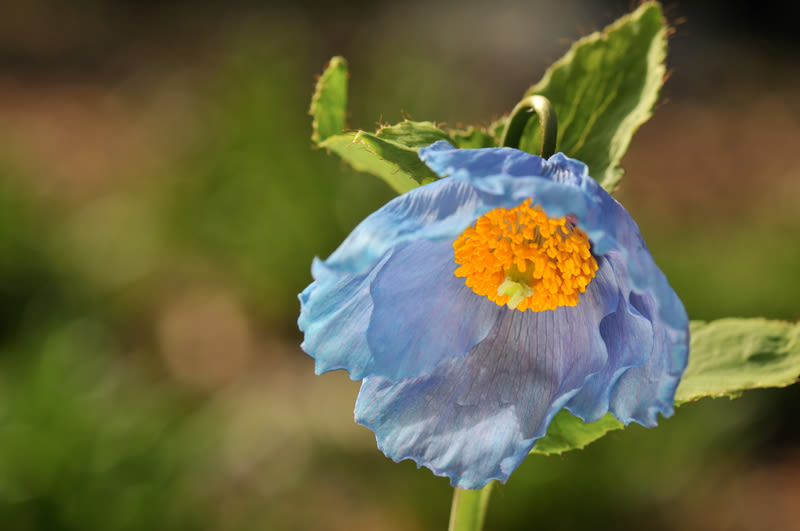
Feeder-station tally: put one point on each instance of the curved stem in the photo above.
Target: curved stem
(469, 508)
(548, 126)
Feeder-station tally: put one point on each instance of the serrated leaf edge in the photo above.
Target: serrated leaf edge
(319, 89)
(657, 55)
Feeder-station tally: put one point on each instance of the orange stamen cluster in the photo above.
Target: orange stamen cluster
(523, 259)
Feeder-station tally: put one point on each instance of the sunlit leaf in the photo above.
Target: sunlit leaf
(412, 134)
(329, 102)
(364, 158)
(405, 158)
(603, 89)
(729, 356)
(567, 432)
(391, 153)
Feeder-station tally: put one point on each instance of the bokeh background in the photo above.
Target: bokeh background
(160, 203)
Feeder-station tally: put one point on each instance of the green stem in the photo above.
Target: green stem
(524, 111)
(469, 508)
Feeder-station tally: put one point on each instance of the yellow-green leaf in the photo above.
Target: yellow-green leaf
(603, 89)
(363, 157)
(730, 356)
(329, 102)
(391, 153)
(567, 432)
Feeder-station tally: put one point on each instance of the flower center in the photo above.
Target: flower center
(523, 259)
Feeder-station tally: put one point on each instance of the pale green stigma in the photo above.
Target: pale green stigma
(516, 291)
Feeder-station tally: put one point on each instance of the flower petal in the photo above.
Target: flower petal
(629, 339)
(484, 164)
(475, 419)
(506, 177)
(643, 392)
(423, 313)
(335, 312)
(336, 309)
(438, 210)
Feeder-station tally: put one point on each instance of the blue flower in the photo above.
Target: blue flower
(433, 305)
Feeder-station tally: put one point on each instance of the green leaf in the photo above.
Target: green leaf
(603, 89)
(329, 102)
(567, 432)
(404, 158)
(412, 134)
(726, 358)
(730, 356)
(391, 153)
(472, 138)
(364, 158)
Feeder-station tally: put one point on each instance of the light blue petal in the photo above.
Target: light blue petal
(485, 164)
(505, 177)
(439, 210)
(335, 312)
(337, 308)
(423, 313)
(629, 339)
(643, 392)
(475, 419)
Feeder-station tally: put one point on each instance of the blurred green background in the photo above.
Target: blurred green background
(160, 203)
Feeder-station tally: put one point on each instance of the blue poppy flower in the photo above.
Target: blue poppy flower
(475, 307)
